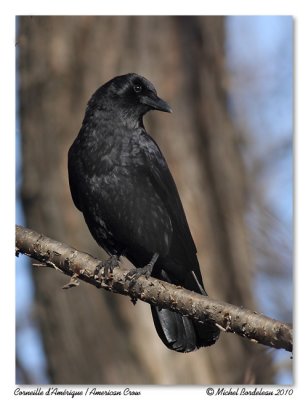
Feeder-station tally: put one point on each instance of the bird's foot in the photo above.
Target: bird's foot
(105, 268)
(135, 273)
(146, 271)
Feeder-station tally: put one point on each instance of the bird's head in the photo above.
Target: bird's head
(130, 94)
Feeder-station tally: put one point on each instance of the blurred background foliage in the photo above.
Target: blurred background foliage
(229, 146)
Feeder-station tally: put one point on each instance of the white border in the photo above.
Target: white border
(7, 146)
(158, 7)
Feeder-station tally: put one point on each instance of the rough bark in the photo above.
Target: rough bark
(62, 61)
(229, 318)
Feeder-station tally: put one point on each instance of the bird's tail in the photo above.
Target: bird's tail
(181, 333)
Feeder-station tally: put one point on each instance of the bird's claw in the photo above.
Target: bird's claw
(105, 268)
(135, 273)
(146, 271)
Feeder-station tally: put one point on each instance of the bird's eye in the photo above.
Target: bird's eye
(137, 88)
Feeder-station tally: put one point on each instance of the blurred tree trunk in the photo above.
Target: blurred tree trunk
(95, 337)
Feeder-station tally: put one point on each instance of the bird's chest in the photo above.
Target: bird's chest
(113, 156)
(120, 202)
(113, 173)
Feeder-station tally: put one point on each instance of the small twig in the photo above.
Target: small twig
(74, 281)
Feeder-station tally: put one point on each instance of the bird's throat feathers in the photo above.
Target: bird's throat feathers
(99, 121)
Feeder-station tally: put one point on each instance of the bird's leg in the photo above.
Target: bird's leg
(106, 267)
(134, 274)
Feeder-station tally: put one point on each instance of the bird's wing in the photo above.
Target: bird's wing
(73, 167)
(165, 187)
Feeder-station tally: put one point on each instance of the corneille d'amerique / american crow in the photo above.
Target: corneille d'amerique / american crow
(121, 182)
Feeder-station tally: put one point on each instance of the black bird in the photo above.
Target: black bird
(121, 183)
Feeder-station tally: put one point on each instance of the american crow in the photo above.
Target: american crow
(121, 183)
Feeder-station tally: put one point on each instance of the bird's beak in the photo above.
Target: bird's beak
(156, 103)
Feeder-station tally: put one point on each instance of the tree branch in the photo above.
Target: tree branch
(229, 318)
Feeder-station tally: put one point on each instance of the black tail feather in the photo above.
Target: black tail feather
(181, 333)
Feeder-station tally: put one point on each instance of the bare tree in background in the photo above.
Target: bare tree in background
(62, 61)
(261, 90)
